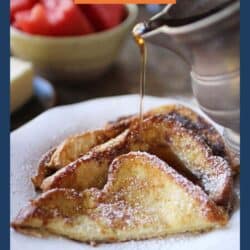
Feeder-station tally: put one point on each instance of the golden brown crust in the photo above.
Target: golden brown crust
(164, 136)
(69, 150)
(195, 122)
(89, 170)
(143, 198)
(43, 170)
(75, 146)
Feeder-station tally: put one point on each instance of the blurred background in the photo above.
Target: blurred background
(167, 75)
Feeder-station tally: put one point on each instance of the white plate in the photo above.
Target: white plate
(29, 142)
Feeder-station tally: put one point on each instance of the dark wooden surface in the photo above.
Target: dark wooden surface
(167, 75)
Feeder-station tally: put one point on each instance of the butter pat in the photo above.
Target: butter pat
(21, 75)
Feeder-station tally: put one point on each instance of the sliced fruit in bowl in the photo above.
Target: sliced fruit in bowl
(104, 16)
(53, 18)
(70, 42)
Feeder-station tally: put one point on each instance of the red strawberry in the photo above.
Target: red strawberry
(33, 21)
(66, 19)
(55, 18)
(19, 5)
(104, 16)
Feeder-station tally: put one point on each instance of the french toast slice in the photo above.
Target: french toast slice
(143, 198)
(167, 138)
(75, 146)
(72, 148)
(195, 122)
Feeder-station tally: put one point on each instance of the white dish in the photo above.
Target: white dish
(29, 142)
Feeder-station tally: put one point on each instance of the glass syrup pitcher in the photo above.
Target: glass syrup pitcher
(206, 34)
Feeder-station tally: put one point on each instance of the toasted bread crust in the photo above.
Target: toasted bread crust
(95, 163)
(76, 146)
(43, 170)
(162, 135)
(71, 149)
(195, 122)
(143, 198)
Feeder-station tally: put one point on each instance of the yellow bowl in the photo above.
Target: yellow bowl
(73, 58)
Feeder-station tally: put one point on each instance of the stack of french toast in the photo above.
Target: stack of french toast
(170, 173)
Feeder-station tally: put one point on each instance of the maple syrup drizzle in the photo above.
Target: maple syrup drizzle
(137, 32)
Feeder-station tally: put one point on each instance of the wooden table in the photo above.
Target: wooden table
(167, 75)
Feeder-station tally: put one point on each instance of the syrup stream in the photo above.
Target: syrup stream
(143, 51)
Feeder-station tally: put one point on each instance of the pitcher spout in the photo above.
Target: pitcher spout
(154, 31)
(158, 36)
